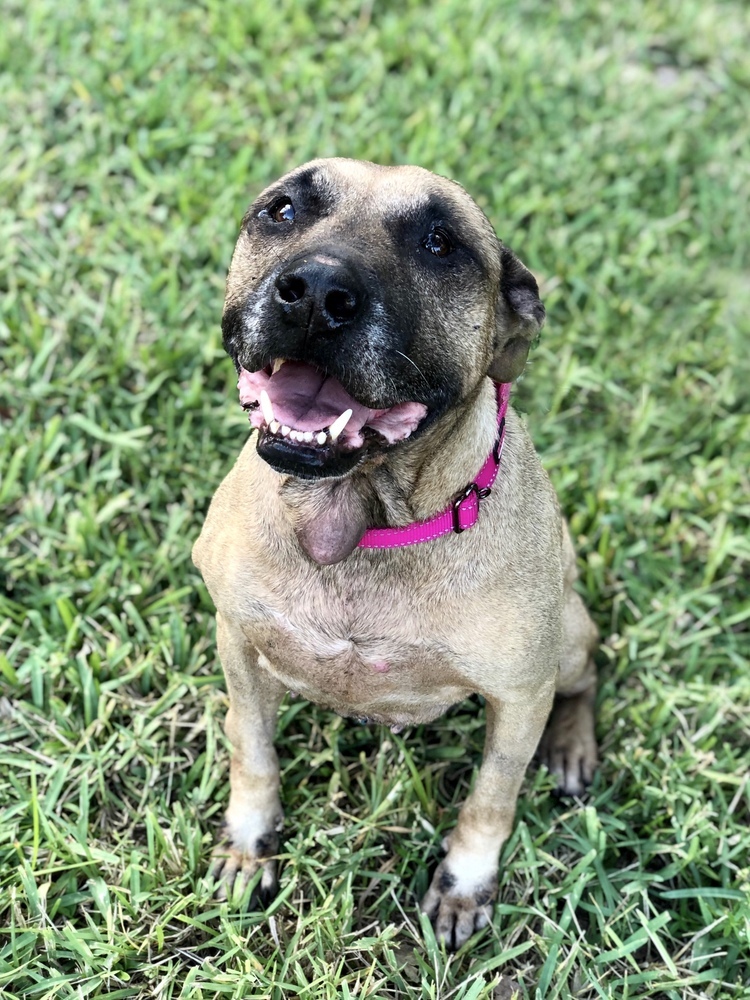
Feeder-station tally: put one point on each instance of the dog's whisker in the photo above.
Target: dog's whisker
(411, 362)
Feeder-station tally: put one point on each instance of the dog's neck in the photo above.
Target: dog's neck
(410, 483)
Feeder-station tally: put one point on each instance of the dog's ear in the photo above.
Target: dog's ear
(520, 315)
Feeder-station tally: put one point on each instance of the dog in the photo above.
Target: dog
(354, 553)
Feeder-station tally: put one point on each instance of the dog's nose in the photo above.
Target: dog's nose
(321, 294)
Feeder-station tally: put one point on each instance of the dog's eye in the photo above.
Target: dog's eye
(281, 210)
(439, 243)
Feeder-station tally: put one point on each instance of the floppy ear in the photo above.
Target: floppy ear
(520, 315)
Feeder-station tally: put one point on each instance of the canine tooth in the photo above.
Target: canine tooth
(265, 405)
(274, 426)
(285, 430)
(339, 424)
(297, 435)
(308, 436)
(277, 364)
(321, 437)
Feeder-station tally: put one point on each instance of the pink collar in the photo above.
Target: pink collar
(463, 511)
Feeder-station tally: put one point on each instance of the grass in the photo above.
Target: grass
(610, 145)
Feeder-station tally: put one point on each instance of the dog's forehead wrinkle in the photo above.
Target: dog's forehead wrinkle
(391, 199)
(404, 186)
(363, 210)
(376, 189)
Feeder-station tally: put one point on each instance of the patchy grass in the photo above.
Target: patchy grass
(610, 146)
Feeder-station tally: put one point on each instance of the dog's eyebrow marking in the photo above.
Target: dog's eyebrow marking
(410, 203)
(414, 209)
(419, 215)
(312, 187)
(306, 177)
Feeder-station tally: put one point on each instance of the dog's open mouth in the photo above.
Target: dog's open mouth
(309, 416)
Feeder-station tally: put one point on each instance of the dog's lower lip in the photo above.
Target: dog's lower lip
(280, 444)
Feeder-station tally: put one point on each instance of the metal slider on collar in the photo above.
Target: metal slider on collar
(480, 492)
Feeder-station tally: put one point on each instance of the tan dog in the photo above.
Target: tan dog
(390, 299)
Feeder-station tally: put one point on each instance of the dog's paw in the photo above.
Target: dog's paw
(568, 747)
(458, 909)
(232, 870)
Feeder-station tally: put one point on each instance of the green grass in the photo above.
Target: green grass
(610, 145)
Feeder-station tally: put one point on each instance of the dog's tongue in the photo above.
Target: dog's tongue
(308, 400)
(304, 397)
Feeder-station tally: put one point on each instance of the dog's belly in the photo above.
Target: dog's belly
(375, 679)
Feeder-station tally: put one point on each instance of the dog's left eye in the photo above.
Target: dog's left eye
(281, 210)
(438, 243)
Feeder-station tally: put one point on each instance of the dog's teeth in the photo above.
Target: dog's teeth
(277, 364)
(321, 437)
(274, 427)
(265, 405)
(339, 424)
(308, 436)
(297, 435)
(285, 431)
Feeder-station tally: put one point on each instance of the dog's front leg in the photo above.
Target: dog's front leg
(254, 816)
(459, 900)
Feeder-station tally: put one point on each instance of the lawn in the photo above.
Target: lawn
(610, 146)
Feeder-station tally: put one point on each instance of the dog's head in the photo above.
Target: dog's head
(362, 303)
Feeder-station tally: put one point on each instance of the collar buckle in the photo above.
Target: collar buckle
(472, 489)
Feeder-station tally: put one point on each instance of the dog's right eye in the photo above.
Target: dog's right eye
(438, 242)
(281, 210)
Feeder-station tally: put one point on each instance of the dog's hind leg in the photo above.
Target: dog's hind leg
(254, 816)
(568, 747)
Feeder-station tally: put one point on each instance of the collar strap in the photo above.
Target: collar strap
(463, 511)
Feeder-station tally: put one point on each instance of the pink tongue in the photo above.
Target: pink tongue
(306, 399)
(303, 397)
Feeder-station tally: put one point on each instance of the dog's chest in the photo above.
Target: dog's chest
(366, 655)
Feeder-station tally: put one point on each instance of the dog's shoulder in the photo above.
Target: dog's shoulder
(228, 526)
